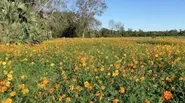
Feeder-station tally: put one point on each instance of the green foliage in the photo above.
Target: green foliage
(21, 23)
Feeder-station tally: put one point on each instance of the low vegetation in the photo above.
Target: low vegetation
(93, 70)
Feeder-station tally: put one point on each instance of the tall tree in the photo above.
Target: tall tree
(86, 10)
(111, 25)
(118, 25)
(121, 30)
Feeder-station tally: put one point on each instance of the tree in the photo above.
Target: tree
(111, 25)
(118, 25)
(85, 11)
(104, 32)
(121, 30)
(22, 17)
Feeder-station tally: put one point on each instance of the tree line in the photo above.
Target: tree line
(32, 21)
(104, 32)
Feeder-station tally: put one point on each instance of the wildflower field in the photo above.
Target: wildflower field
(99, 70)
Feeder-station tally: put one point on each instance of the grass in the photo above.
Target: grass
(141, 70)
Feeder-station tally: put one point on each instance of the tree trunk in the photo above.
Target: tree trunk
(83, 34)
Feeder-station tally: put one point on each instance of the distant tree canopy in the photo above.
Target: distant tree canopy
(140, 33)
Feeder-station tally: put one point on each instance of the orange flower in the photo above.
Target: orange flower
(122, 90)
(1, 82)
(91, 102)
(45, 81)
(57, 86)
(87, 85)
(51, 90)
(147, 101)
(167, 95)
(21, 86)
(13, 93)
(117, 65)
(115, 101)
(9, 100)
(3, 89)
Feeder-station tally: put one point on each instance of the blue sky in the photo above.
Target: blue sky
(148, 15)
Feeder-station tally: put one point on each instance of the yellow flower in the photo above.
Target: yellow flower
(74, 79)
(122, 90)
(7, 84)
(150, 71)
(142, 78)
(115, 73)
(125, 55)
(68, 99)
(142, 66)
(101, 96)
(42, 86)
(13, 93)
(9, 100)
(156, 55)
(22, 76)
(61, 97)
(52, 64)
(9, 77)
(11, 72)
(106, 57)
(4, 63)
(71, 87)
(103, 87)
(102, 69)
(32, 63)
(5, 72)
(137, 80)
(79, 88)
(96, 77)
(25, 91)
(181, 78)
(21, 86)
(61, 63)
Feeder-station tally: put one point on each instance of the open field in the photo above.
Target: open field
(125, 70)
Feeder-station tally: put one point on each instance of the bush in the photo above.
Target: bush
(19, 22)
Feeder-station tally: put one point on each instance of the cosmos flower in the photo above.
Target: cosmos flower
(122, 90)
(167, 95)
(8, 100)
